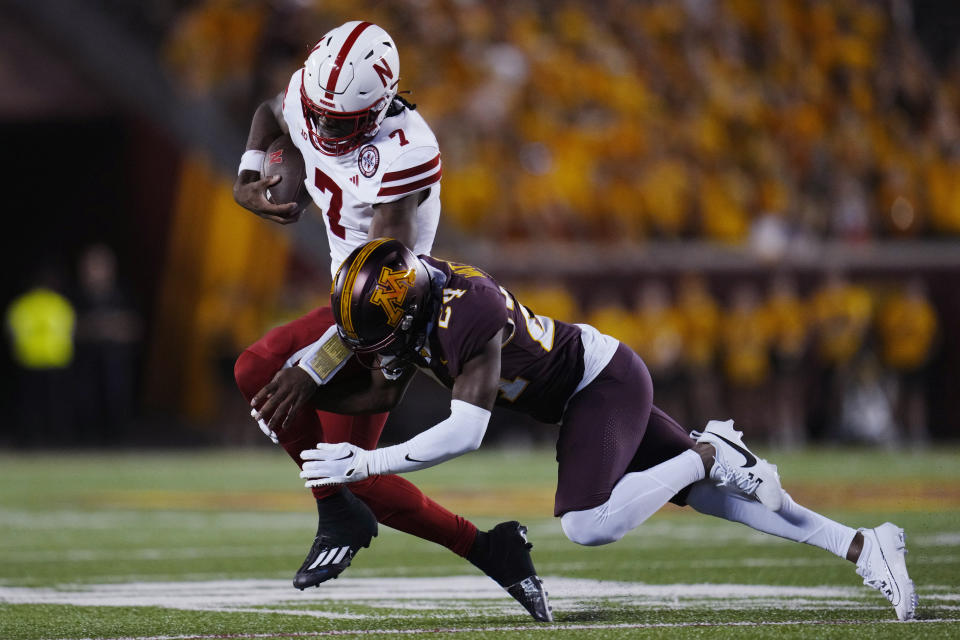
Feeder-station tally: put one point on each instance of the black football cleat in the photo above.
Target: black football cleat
(346, 525)
(530, 593)
(503, 553)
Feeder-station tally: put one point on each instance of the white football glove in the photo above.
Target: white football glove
(334, 464)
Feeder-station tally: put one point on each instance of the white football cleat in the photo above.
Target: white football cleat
(882, 565)
(735, 466)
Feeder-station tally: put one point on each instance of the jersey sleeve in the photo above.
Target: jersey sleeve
(409, 173)
(291, 109)
(475, 316)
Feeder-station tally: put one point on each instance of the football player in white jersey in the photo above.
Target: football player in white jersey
(373, 169)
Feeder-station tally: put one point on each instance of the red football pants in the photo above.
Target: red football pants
(395, 501)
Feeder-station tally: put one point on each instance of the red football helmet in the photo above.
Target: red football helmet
(381, 299)
(347, 84)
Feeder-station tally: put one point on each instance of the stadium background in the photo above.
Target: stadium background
(762, 198)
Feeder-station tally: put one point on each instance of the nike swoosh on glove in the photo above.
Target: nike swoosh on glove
(334, 464)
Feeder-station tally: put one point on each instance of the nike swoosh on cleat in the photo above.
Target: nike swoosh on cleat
(750, 458)
(409, 459)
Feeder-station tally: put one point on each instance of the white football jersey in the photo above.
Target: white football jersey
(401, 159)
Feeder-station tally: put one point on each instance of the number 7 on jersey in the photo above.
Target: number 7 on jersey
(325, 183)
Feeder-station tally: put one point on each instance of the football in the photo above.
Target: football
(283, 159)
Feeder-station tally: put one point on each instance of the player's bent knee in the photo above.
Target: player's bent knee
(251, 373)
(587, 528)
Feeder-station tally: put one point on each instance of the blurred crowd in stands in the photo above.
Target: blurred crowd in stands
(845, 361)
(622, 119)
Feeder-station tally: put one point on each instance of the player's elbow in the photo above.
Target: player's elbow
(469, 422)
(475, 442)
(461, 433)
(473, 437)
(464, 442)
(469, 444)
(463, 439)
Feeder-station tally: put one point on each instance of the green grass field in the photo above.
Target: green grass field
(204, 545)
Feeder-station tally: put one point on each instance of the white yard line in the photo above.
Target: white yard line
(384, 591)
(527, 629)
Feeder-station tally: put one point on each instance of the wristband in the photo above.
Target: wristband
(251, 160)
(325, 357)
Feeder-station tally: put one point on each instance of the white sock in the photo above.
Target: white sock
(793, 521)
(635, 498)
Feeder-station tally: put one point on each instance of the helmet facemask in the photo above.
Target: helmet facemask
(403, 342)
(401, 348)
(335, 133)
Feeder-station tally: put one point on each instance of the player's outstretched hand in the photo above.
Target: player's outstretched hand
(252, 195)
(283, 398)
(334, 464)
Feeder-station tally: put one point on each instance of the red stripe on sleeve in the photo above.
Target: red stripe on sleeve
(410, 187)
(412, 171)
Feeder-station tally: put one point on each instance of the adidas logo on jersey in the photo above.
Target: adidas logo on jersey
(355, 180)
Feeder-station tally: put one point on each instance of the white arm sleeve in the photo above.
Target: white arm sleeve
(461, 433)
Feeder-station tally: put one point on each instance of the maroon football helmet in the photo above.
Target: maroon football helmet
(381, 299)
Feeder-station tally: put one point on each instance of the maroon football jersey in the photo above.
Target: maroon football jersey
(541, 359)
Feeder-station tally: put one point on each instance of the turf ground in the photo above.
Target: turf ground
(204, 545)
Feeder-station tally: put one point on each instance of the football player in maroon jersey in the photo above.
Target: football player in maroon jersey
(620, 458)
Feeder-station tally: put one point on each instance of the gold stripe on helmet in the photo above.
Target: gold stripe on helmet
(346, 296)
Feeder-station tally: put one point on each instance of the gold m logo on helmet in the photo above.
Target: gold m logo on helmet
(391, 290)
